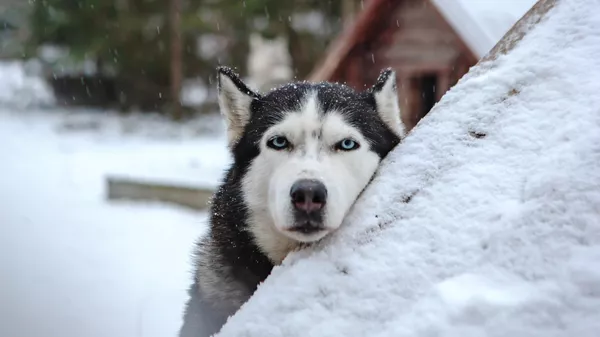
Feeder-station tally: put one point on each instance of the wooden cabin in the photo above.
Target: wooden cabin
(416, 39)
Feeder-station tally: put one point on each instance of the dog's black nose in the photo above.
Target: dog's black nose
(308, 195)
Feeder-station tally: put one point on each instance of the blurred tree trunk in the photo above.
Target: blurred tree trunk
(176, 58)
(100, 66)
(349, 10)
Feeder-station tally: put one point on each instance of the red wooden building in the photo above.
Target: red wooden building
(419, 39)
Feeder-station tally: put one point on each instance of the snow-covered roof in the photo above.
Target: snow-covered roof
(481, 24)
(485, 221)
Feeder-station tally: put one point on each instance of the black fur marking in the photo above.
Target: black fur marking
(236, 246)
(235, 78)
(360, 110)
(382, 80)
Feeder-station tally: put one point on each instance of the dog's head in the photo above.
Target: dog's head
(306, 151)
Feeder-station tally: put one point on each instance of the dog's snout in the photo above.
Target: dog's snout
(308, 195)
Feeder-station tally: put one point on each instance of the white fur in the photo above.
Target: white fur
(388, 107)
(269, 62)
(235, 107)
(267, 184)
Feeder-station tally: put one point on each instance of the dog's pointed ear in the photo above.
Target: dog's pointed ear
(386, 98)
(234, 102)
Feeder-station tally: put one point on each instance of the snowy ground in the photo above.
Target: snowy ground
(73, 265)
(485, 221)
(148, 148)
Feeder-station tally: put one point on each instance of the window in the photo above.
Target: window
(427, 85)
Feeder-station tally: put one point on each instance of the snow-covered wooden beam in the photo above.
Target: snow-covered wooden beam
(144, 190)
(485, 221)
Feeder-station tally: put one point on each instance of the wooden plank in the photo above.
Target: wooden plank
(196, 198)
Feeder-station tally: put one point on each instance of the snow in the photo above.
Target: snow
(20, 91)
(193, 92)
(311, 21)
(178, 157)
(72, 264)
(483, 23)
(485, 221)
(139, 147)
(496, 17)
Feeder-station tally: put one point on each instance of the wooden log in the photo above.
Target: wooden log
(192, 197)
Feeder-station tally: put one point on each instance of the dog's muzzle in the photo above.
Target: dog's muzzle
(308, 198)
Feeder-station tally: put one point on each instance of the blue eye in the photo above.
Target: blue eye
(278, 143)
(347, 145)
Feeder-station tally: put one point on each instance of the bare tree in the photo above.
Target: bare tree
(349, 10)
(176, 58)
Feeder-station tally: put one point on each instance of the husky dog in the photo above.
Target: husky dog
(302, 154)
(269, 62)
